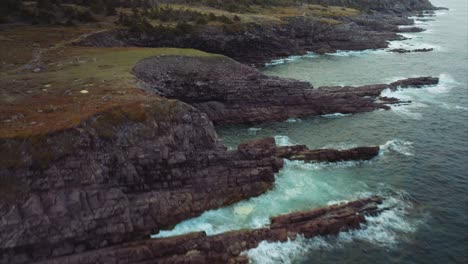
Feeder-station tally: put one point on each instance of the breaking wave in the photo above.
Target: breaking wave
(283, 141)
(308, 55)
(298, 186)
(422, 97)
(254, 130)
(385, 230)
(293, 120)
(398, 146)
(335, 115)
(354, 53)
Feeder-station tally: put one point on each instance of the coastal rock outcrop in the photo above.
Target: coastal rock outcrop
(126, 173)
(302, 152)
(232, 93)
(227, 247)
(259, 43)
(119, 176)
(409, 51)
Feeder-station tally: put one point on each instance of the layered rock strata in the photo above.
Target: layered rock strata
(232, 93)
(124, 174)
(119, 176)
(227, 247)
(302, 152)
(259, 43)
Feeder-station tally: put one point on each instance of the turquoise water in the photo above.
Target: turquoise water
(422, 168)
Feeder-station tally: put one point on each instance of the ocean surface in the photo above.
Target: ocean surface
(422, 169)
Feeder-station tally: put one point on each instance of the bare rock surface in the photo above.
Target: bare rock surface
(259, 43)
(119, 176)
(127, 173)
(232, 93)
(302, 152)
(227, 247)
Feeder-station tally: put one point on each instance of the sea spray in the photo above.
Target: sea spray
(293, 58)
(399, 146)
(354, 53)
(254, 130)
(335, 115)
(424, 97)
(385, 230)
(298, 186)
(283, 140)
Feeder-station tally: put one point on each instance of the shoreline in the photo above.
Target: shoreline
(132, 169)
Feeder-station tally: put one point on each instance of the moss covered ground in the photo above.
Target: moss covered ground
(48, 84)
(67, 84)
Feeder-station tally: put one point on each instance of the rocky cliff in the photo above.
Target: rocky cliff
(226, 248)
(120, 175)
(258, 43)
(126, 173)
(384, 6)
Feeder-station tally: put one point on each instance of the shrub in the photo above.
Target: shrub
(184, 27)
(201, 21)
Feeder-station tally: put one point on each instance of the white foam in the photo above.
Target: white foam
(291, 59)
(254, 130)
(461, 108)
(399, 146)
(386, 230)
(297, 186)
(445, 85)
(408, 111)
(335, 115)
(340, 146)
(298, 164)
(283, 140)
(413, 39)
(354, 53)
(421, 97)
(412, 44)
(293, 120)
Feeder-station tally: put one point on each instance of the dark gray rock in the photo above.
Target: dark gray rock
(232, 93)
(121, 179)
(226, 247)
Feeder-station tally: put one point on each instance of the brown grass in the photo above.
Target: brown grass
(38, 103)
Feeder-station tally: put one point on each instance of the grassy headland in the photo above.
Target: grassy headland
(49, 84)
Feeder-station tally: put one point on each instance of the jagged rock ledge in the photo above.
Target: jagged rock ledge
(302, 152)
(124, 174)
(232, 93)
(410, 51)
(260, 43)
(119, 176)
(227, 247)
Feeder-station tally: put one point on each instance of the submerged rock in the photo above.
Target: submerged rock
(409, 51)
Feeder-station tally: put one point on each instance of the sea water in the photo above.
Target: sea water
(422, 168)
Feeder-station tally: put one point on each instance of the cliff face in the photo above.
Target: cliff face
(132, 169)
(120, 176)
(385, 6)
(232, 93)
(259, 43)
(226, 248)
